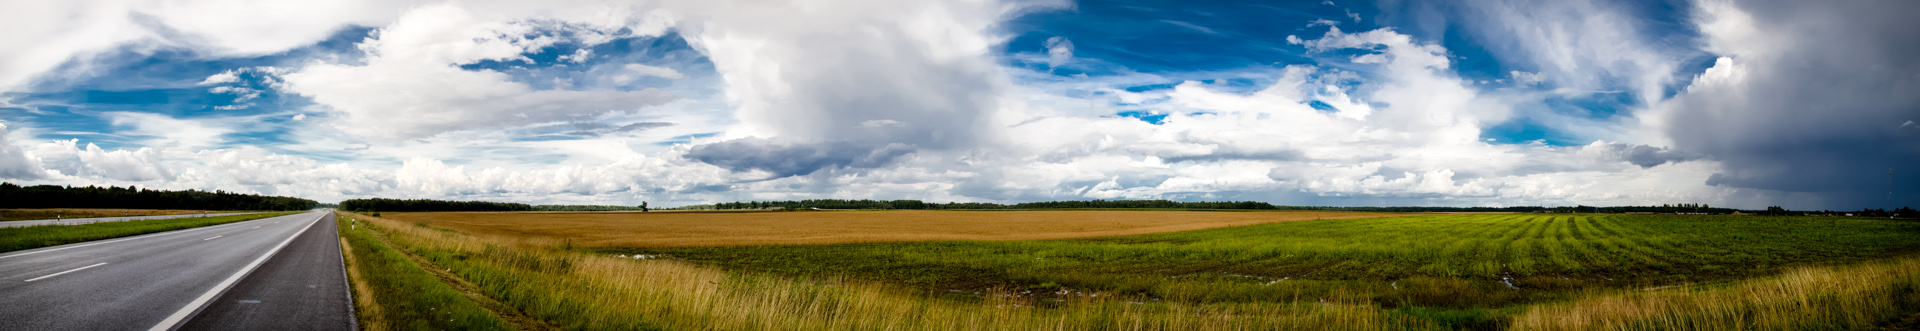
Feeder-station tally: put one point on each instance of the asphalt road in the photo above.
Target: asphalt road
(78, 221)
(280, 273)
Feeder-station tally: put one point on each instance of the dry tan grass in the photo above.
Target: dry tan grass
(50, 213)
(1809, 298)
(683, 229)
(371, 318)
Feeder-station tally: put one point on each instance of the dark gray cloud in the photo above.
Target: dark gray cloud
(1643, 155)
(785, 159)
(1809, 98)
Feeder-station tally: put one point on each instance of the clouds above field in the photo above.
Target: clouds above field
(1480, 103)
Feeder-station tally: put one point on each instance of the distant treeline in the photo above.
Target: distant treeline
(1083, 204)
(1685, 208)
(1903, 212)
(378, 204)
(55, 196)
(390, 205)
(584, 208)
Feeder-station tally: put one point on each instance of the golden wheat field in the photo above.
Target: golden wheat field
(683, 229)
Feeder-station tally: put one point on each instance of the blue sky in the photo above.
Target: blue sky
(1474, 103)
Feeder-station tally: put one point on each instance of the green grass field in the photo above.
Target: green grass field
(1433, 272)
(394, 293)
(30, 237)
(1448, 267)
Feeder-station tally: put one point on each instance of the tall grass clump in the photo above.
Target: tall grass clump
(573, 289)
(393, 293)
(30, 237)
(1850, 297)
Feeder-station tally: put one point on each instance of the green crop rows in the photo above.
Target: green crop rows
(1451, 261)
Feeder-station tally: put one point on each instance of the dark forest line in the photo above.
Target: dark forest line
(55, 196)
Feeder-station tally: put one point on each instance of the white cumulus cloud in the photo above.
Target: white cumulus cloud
(16, 162)
(412, 87)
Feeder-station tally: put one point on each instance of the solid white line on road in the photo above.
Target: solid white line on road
(120, 240)
(256, 227)
(65, 272)
(211, 238)
(193, 307)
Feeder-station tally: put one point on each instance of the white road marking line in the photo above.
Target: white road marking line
(196, 305)
(256, 227)
(107, 242)
(65, 272)
(211, 238)
(132, 238)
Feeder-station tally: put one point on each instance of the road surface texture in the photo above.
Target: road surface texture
(280, 273)
(79, 221)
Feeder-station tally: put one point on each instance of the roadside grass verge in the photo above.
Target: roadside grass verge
(17, 214)
(575, 289)
(30, 237)
(394, 293)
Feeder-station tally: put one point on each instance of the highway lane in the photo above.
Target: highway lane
(303, 287)
(78, 221)
(160, 281)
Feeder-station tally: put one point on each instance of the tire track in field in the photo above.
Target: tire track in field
(1450, 246)
(1559, 248)
(1631, 248)
(1494, 260)
(1583, 245)
(1694, 254)
(1519, 246)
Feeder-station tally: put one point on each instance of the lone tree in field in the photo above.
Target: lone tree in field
(643, 206)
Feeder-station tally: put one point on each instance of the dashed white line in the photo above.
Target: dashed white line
(211, 238)
(65, 272)
(120, 240)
